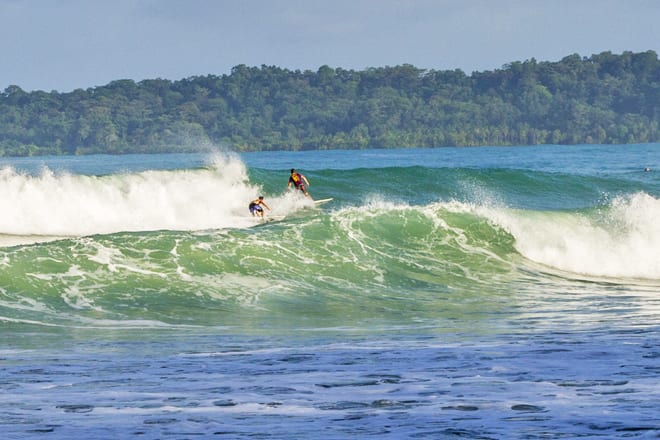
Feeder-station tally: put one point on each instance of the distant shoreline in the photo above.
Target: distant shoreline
(603, 99)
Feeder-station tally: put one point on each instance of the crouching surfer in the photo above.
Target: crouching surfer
(256, 207)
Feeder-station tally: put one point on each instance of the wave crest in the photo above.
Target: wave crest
(619, 240)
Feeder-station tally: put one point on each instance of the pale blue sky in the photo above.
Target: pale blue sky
(67, 44)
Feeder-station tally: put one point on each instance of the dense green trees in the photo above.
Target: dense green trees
(606, 98)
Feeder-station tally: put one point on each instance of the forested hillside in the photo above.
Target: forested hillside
(605, 98)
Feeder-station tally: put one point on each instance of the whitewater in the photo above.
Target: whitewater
(443, 293)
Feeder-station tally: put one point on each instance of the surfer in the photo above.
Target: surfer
(256, 208)
(299, 182)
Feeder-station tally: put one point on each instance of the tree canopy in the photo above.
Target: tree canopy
(605, 98)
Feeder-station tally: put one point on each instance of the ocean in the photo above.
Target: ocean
(449, 293)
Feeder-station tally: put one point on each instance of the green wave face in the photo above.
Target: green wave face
(352, 264)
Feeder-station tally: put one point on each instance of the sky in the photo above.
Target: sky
(64, 45)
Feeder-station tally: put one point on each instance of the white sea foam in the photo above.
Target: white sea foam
(621, 240)
(65, 205)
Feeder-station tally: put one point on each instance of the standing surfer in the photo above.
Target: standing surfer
(299, 182)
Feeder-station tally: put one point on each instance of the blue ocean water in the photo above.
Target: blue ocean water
(487, 293)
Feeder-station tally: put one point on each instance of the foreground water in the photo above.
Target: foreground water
(444, 293)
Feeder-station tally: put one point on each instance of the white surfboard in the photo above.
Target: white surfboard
(270, 218)
(322, 201)
(274, 218)
(262, 221)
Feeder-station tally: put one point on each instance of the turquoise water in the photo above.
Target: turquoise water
(443, 293)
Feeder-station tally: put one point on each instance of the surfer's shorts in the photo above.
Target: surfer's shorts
(255, 208)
